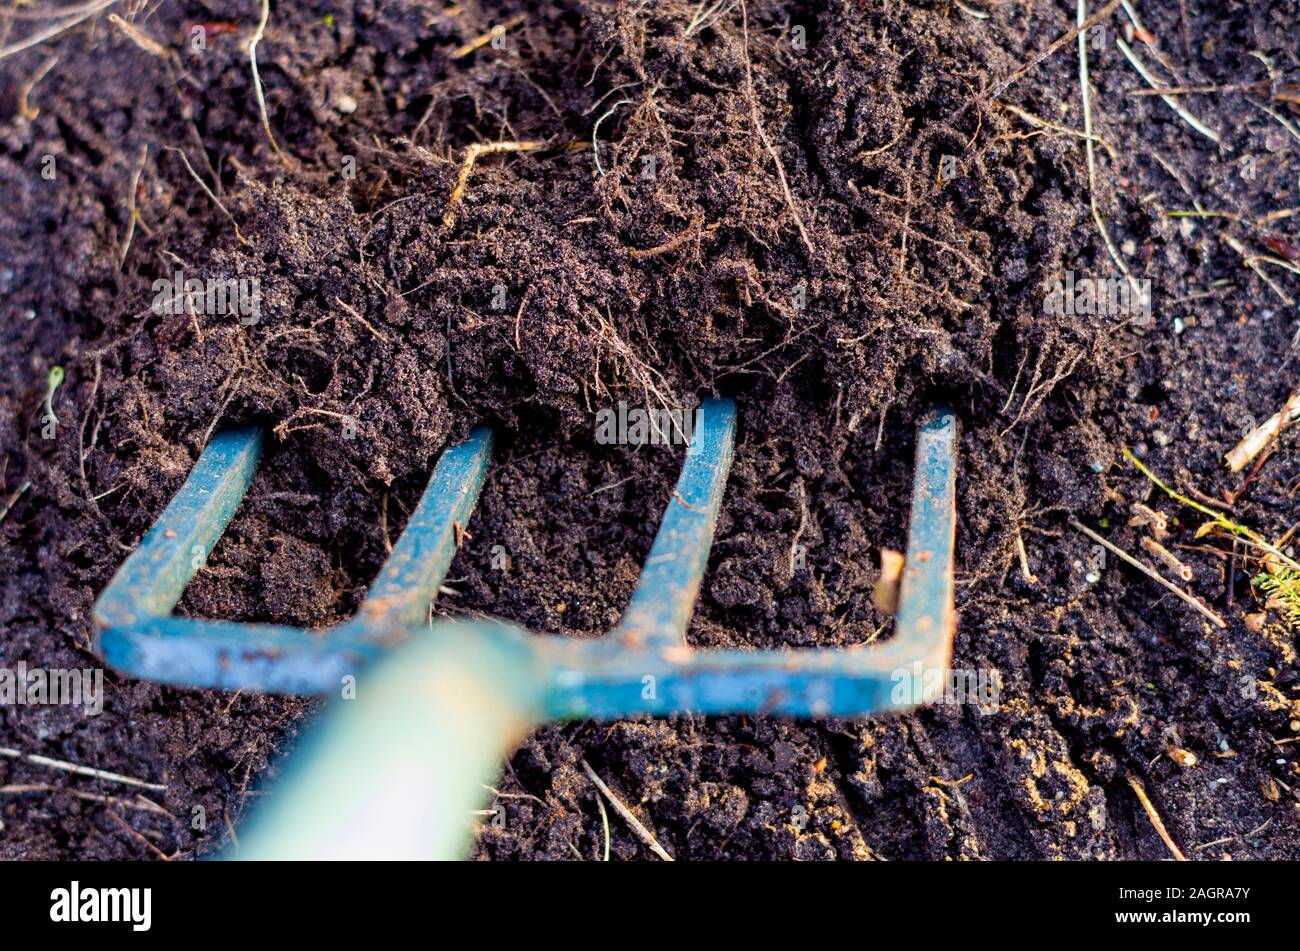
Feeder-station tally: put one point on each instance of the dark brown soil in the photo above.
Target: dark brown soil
(768, 222)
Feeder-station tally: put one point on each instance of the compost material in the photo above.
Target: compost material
(839, 214)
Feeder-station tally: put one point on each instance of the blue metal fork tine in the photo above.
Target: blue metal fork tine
(600, 677)
(135, 629)
(664, 600)
(153, 578)
(925, 601)
(408, 582)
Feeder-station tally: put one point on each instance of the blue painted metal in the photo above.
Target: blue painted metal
(153, 578)
(408, 582)
(664, 599)
(643, 666)
(360, 787)
(137, 634)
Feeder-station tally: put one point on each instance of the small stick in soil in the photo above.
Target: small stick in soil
(25, 90)
(1151, 573)
(1056, 44)
(480, 41)
(140, 802)
(642, 832)
(140, 38)
(133, 213)
(13, 500)
(1146, 517)
(1030, 577)
(1170, 560)
(38, 760)
(1083, 22)
(1252, 262)
(1261, 436)
(208, 191)
(36, 39)
(1169, 101)
(257, 82)
(472, 155)
(1154, 816)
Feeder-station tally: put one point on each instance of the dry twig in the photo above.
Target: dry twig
(1154, 816)
(38, 760)
(1151, 573)
(481, 41)
(641, 831)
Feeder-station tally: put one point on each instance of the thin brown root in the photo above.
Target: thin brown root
(1081, 28)
(13, 499)
(210, 193)
(159, 853)
(356, 315)
(480, 41)
(1063, 130)
(762, 134)
(472, 155)
(282, 429)
(1081, 31)
(133, 213)
(672, 244)
(25, 108)
(1171, 102)
(257, 83)
(1156, 821)
(1252, 262)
